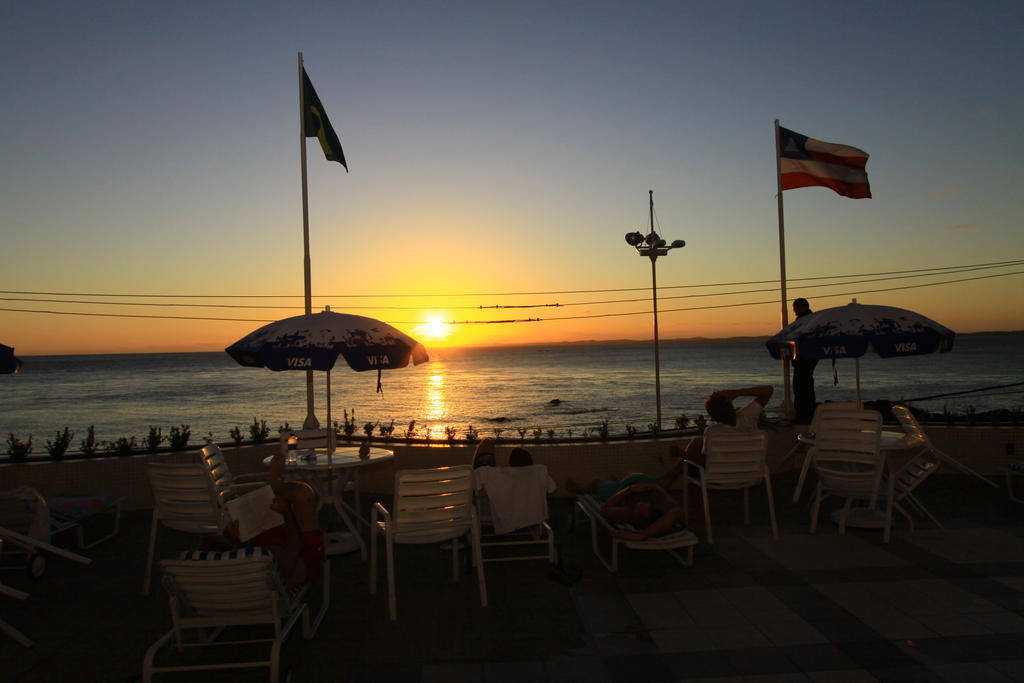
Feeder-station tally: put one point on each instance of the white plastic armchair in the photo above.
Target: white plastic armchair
(849, 464)
(430, 506)
(184, 499)
(516, 517)
(819, 414)
(228, 486)
(734, 460)
(207, 597)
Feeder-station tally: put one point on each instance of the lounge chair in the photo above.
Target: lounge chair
(24, 527)
(184, 499)
(70, 512)
(210, 593)
(431, 506)
(734, 460)
(671, 542)
(513, 506)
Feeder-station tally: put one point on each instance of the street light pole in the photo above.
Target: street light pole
(653, 246)
(657, 356)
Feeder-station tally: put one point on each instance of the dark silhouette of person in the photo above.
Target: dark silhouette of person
(804, 401)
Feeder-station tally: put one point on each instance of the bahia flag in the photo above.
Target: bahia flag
(317, 125)
(806, 162)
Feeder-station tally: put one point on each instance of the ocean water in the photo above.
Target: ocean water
(505, 388)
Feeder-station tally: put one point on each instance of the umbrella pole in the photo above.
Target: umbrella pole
(330, 424)
(856, 364)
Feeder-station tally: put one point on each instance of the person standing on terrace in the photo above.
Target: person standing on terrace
(804, 401)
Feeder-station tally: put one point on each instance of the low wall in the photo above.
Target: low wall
(985, 449)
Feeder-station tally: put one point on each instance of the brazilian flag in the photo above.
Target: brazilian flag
(317, 125)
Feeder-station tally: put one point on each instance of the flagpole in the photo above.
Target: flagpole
(310, 422)
(787, 402)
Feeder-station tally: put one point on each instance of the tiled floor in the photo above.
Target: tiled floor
(934, 605)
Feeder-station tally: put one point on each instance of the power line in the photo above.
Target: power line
(128, 315)
(525, 320)
(481, 294)
(752, 303)
(959, 269)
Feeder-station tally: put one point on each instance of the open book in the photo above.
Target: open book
(253, 514)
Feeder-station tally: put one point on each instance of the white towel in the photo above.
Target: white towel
(518, 495)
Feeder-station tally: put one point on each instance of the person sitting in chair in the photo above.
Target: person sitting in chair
(725, 417)
(297, 544)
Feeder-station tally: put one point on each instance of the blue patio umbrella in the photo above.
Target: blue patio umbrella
(314, 342)
(9, 364)
(852, 330)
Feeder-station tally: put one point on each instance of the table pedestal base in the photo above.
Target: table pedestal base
(861, 518)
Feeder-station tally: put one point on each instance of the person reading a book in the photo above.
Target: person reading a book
(283, 520)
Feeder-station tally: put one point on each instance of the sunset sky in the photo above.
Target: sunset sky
(498, 150)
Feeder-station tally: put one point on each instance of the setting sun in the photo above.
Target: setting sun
(434, 328)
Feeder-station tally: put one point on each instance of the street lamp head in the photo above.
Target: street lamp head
(634, 238)
(659, 243)
(652, 238)
(678, 244)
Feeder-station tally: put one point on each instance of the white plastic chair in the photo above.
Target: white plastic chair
(430, 506)
(814, 427)
(184, 499)
(228, 486)
(847, 459)
(503, 490)
(734, 460)
(207, 597)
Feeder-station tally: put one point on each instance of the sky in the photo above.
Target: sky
(498, 154)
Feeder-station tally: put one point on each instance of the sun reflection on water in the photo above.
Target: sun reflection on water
(436, 405)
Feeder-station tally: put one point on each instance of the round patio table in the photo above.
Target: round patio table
(330, 473)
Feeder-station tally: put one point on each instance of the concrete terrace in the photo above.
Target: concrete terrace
(935, 605)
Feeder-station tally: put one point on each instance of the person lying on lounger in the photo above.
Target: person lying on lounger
(298, 544)
(639, 501)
